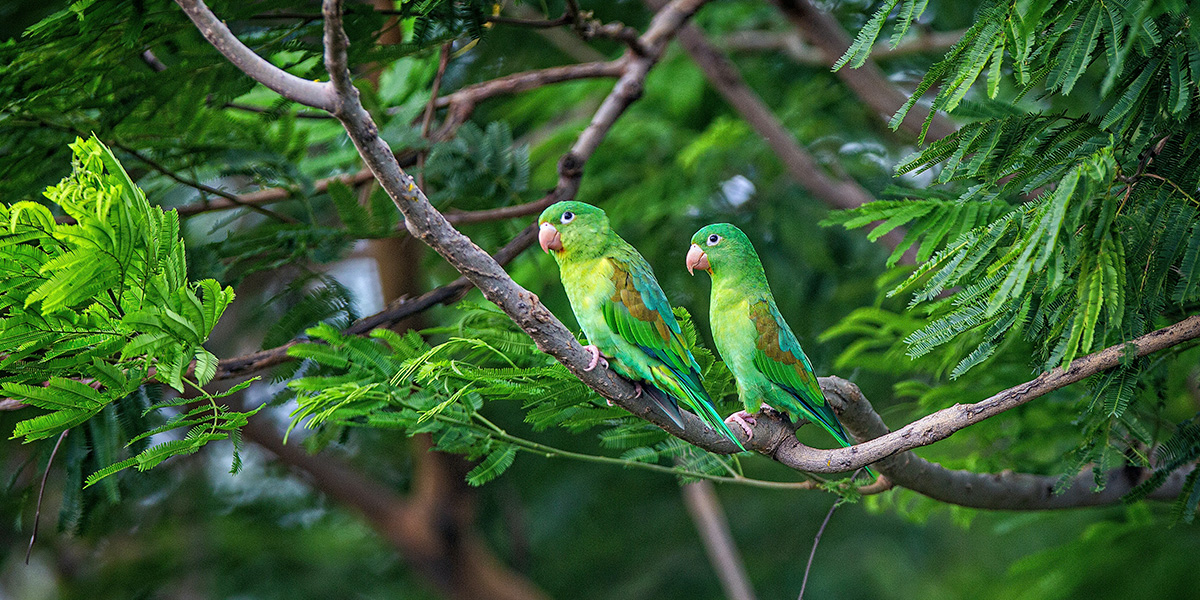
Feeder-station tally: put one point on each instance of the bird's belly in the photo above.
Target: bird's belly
(735, 336)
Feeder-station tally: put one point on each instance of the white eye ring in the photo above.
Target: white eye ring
(567, 217)
(713, 240)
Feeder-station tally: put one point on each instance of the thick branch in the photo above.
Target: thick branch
(777, 441)
(998, 491)
(425, 223)
(868, 81)
(310, 93)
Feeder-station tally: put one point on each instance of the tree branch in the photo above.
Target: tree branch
(528, 80)
(868, 81)
(776, 440)
(310, 93)
(793, 45)
(233, 199)
(705, 510)
(997, 491)
(277, 194)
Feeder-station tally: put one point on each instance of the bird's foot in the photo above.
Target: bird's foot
(637, 392)
(743, 419)
(596, 358)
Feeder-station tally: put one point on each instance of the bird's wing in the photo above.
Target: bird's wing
(779, 358)
(638, 312)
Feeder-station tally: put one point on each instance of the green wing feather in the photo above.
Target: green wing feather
(778, 357)
(638, 311)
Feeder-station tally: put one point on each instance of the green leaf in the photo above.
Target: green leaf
(353, 215)
(206, 366)
(496, 463)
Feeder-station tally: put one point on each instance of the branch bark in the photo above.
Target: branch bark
(996, 491)
(776, 440)
(868, 81)
(310, 93)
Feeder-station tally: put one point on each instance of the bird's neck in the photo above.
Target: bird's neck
(731, 291)
(747, 280)
(583, 250)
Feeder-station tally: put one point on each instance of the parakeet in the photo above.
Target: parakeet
(753, 339)
(623, 311)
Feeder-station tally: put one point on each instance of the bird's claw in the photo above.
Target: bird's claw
(743, 419)
(637, 389)
(596, 358)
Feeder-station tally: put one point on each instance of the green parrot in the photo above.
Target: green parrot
(623, 311)
(757, 345)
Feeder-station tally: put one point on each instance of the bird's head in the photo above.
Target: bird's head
(716, 247)
(571, 226)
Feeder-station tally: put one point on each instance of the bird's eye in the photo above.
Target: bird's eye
(567, 217)
(713, 239)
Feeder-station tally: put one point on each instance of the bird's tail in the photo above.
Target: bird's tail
(693, 393)
(665, 402)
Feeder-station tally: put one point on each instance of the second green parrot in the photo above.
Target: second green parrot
(623, 311)
(756, 344)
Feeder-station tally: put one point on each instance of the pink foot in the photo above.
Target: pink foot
(637, 392)
(596, 358)
(743, 419)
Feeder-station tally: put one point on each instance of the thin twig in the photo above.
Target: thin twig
(565, 19)
(37, 515)
(793, 45)
(242, 366)
(153, 164)
(427, 118)
(816, 540)
(233, 200)
(303, 114)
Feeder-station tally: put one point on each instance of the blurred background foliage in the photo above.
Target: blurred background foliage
(678, 159)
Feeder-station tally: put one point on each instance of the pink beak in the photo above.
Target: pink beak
(697, 259)
(549, 238)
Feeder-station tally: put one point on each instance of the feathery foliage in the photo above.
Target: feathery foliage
(401, 382)
(94, 308)
(1061, 225)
